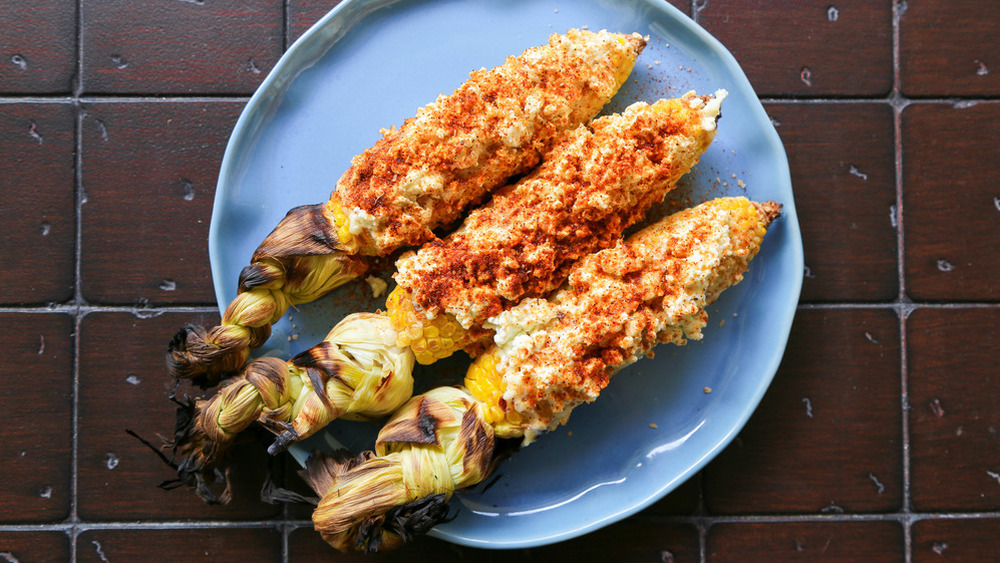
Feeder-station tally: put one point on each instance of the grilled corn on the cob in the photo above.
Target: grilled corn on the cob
(554, 354)
(417, 177)
(596, 182)
(551, 356)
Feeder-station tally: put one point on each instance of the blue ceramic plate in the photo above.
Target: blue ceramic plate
(370, 64)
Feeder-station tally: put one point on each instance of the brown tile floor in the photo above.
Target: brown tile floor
(878, 441)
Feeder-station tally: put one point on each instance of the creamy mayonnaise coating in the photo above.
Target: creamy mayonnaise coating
(560, 352)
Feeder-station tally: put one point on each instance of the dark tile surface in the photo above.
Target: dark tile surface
(226, 544)
(684, 500)
(306, 545)
(128, 104)
(149, 172)
(36, 449)
(807, 48)
(303, 13)
(955, 539)
(181, 47)
(843, 173)
(125, 386)
(806, 541)
(37, 46)
(952, 210)
(826, 438)
(954, 420)
(949, 48)
(39, 209)
(32, 547)
(635, 539)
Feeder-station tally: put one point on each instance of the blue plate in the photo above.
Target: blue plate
(370, 64)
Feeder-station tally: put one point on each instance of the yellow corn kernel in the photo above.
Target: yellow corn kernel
(485, 383)
(431, 339)
(747, 219)
(340, 219)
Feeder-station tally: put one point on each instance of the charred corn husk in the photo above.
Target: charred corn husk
(414, 179)
(597, 181)
(553, 354)
(436, 444)
(357, 372)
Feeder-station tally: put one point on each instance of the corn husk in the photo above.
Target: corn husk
(357, 372)
(298, 262)
(435, 444)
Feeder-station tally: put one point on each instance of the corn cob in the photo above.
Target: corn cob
(414, 179)
(552, 355)
(355, 373)
(597, 181)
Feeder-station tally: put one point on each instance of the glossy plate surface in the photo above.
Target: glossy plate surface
(370, 64)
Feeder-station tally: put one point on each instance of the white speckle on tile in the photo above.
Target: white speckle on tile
(112, 461)
(805, 75)
(99, 550)
(878, 484)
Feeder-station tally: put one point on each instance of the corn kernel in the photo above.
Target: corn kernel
(487, 386)
(340, 220)
(431, 339)
(514, 417)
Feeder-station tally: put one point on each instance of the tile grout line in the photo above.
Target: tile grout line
(903, 306)
(693, 519)
(143, 311)
(78, 198)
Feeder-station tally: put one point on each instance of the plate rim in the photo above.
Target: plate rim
(295, 59)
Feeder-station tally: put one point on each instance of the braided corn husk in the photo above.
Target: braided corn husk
(436, 444)
(357, 372)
